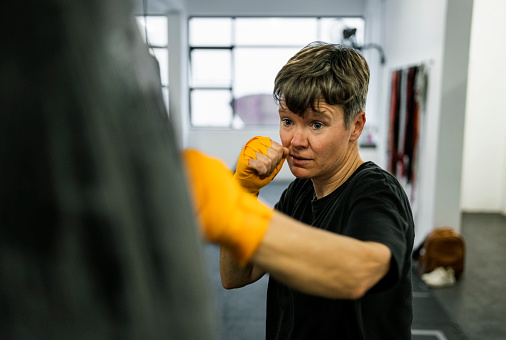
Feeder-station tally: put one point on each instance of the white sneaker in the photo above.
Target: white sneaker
(439, 277)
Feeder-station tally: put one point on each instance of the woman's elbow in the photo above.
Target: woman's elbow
(357, 292)
(227, 285)
(235, 282)
(231, 284)
(351, 289)
(362, 280)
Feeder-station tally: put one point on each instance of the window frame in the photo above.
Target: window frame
(153, 46)
(231, 48)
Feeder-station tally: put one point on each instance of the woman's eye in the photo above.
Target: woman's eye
(317, 125)
(287, 122)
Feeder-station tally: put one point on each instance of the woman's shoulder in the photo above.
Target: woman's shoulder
(374, 181)
(371, 170)
(370, 175)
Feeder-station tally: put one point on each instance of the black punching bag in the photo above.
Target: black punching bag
(97, 235)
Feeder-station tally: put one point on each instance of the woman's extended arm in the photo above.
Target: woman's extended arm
(319, 262)
(311, 260)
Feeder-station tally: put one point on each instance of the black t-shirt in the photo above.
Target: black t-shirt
(370, 206)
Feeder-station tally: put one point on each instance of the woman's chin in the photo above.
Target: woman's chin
(299, 172)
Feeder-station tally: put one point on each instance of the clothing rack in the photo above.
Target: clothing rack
(407, 106)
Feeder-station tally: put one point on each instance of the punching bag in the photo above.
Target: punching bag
(98, 238)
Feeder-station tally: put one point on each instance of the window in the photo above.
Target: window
(234, 60)
(154, 31)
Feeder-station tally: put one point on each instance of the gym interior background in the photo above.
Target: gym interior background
(461, 164)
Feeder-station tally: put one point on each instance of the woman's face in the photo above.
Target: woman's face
(319, 143)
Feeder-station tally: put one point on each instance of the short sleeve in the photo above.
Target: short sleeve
(380, 212)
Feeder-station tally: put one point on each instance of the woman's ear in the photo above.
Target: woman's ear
(357, 126)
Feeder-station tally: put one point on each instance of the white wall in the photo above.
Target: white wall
(447, 211)
(484, 171)
(425, 32)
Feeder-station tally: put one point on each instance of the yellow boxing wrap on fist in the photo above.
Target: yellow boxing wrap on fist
(227, 214)
(248, 177)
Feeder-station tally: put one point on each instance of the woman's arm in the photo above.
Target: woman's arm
(311, 260)
(319, 262)
(234, 275)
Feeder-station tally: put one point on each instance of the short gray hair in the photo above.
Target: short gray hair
(336, 73)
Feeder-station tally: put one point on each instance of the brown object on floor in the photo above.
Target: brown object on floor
(443, 247)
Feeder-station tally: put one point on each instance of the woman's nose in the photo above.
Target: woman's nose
(299, 140)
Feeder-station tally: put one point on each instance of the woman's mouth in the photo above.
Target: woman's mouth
(298, 161)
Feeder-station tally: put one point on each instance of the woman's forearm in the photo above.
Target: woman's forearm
(319, 262)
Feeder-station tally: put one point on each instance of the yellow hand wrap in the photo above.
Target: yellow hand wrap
(248, 177)
(228, 215)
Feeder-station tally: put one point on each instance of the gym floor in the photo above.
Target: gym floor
(475, 308)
